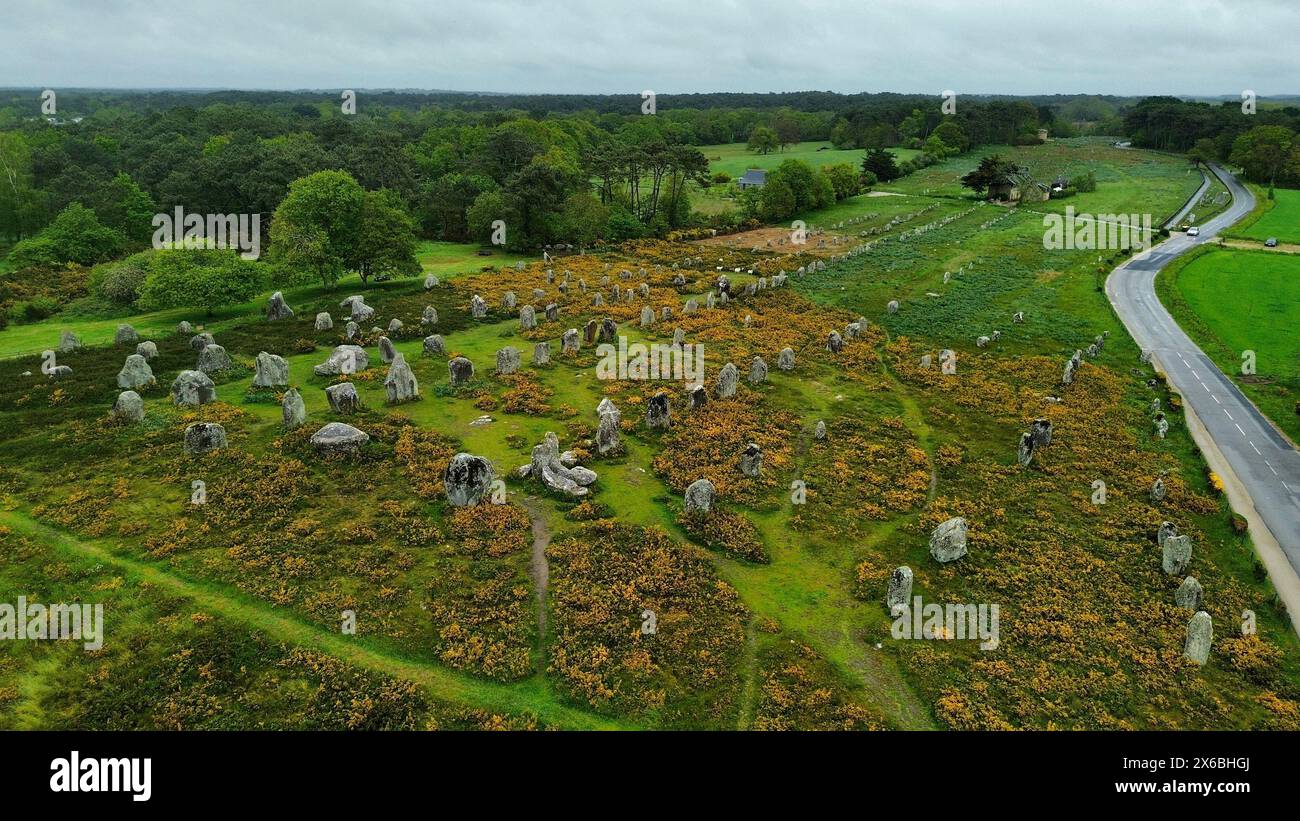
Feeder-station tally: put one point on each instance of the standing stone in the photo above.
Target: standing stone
(343, 398)
(1200, 635)
(293, 410)
(819, 432)
(136, 373)
(679, 337)
(900, 589)
(552, 312)
(400, 384)
(1177, 555)
(461, 371)
(509, 301)
(527, 318)
(1067, 377)
(69, 342)
(430, 282)
(271, 371)
(200, 341)
(647, 316)
(608, 330)
(1025, 450)
(324, 322)
(345, 359)
(202, 437)
(1166, 530)
(193, 388)
(339, 439)
(785, 359)
(433, 345)
(214, 359)
(757, 371)
(395, 326)
(892, 306)
(606, 406)
(982, 342)
(277, 308)
(590, 331)
(429, 318)
(1189, 594)
(477, 307)
(751, 460)
(728, 377)
(387, 353)
(128, 407)
(834, 342)
(691, 306)
(926, 361)
(184, 327)
(1041, 431)
(948, 541)
(607, 432)
(1018, 317)
(699, 397)
(542, 353)
(125, 335)
(569, 343)
(1162, 425)
(658, 412)
(1158, 491)
(147, 349)
(467, 480)
(700, 496)
(508, 359)
(351, 330)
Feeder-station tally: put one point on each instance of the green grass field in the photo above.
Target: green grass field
(1231, 301)
(735, 158)
(1281, 221)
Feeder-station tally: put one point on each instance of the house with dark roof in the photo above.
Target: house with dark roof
(754, 178)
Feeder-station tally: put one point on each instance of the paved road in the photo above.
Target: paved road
(1266, 464)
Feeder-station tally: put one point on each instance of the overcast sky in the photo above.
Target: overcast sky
(669, 46)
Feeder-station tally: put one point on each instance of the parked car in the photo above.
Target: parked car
(1193, 231)
(1271, 242)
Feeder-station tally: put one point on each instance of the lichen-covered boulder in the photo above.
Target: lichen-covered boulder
(834, 342)
(892, 306)
(69, 342)
(395, 326)
(1041, 431)
(136, 373)
(429, 318)
(293, 410)
(477, 307)
(467, 480)
(700, 496)
(508, 359)
(607, 433)
(203, 437)
(698, 396)
(344, 359)
(751, 460)
(324, 322)
(125, 335)
(1200, 636)
(271, 371)
(201, 340)
(193, 388)
(147, 349)
(527, 318)
(542, 353)
(819, 432)
(339, 439)
(128, 407)
(728, 378)
(1189, 594)
(1158, 490)
(900, 589)
(757, 371)
(277, 308)
(460, 370)
(785, 359)
(343, 398)
(948, 540)
(658, 413)
(570, 343)
(386, 350)
(184, 327)
(1025, 450)
(1176, 555)
(214, 359)
(434, 345)
(430, 282)
(400, 384)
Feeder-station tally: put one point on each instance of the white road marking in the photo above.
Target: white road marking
(1270, 467)
(1225, 410)
(1243, 433)
(1216, 399)
(1194, 373)
(1207, 390)
(1252, 444)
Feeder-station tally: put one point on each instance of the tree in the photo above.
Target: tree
(882, 164)
(583, 219)
(844, 179)
(125, 207)
(951, 136)
(1204, 151)
(1267, 151)
(489, 207)
(76, 235)
(20, 201)
(315, 228)
(992, 170)
(385, 239)
(763, 140)
(202, 278)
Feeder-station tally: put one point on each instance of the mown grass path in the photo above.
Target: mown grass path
(531, 696)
